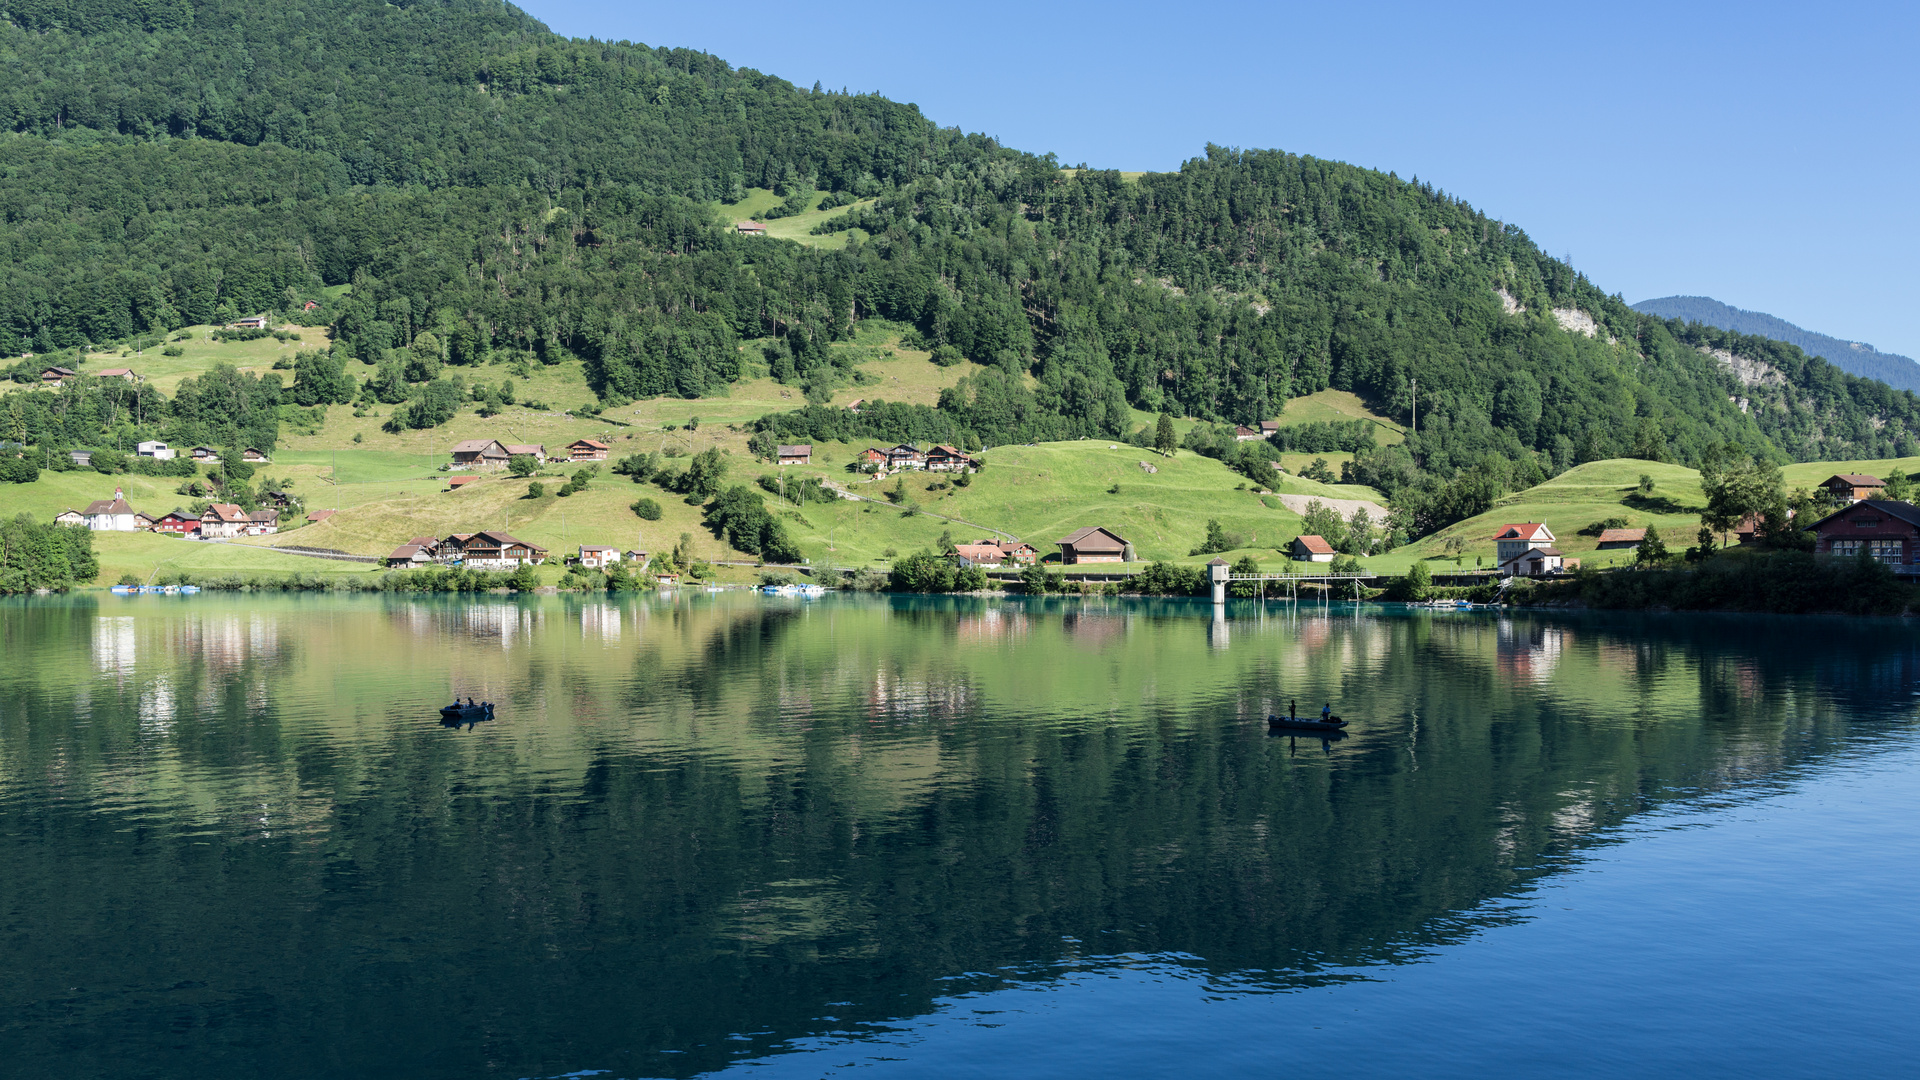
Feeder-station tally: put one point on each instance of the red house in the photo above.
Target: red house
(1880, 529)
(179, 523)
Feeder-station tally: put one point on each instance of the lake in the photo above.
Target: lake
(895, 836)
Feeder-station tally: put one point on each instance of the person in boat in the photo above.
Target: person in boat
(1293, 710)
(1326, 712)
(469, 703)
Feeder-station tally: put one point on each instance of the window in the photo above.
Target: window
(1886, 551)
(1846, 548)
(1866, 523)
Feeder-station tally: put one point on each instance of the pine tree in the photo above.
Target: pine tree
(1163, 439)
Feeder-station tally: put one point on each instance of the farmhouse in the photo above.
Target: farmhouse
(223, 520)
(142, 522)
(154, 449)
(57, 374)
(205, 455)
(1243, 433)
(1614, 539)
(536, 451)
(1854, 488)
(870, 460)
(1513, 542)
(254, 456)
(1310, 548)
(263, 523)
(110, 515)
(750, 228)
(1880, 529)
(906, 456)
(586, 450)
(796, 454)
(118, 373)
(1017, 553)
(948, 459)
(1094, 545)
(70, 516)
(492, 551)
(480, 454)
(251, 322)
(408, 555)
(1268, 427)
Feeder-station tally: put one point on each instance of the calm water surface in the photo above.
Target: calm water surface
(721, 833)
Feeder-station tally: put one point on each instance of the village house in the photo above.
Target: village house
(1853, 488)
(1094, 545)
(310, 305)
(407, 556)
(1243, 433)
(948, 459)
(1880, 529)
(796, 454)
(142, 522)
(118, 373)
(57, 374)
(750, 228)
(255, 456)
(1615, 539)
(984, 556)
(70, 516)
(1268, 428)
(480, 454)
(906, 456)
(1310, 548)
(205, 455)
(491, 551)
(222, 521)
(263, 523)
(640, 559)
(177, 522)
(155, 449)
(279, 500)
(1515, 542)
(870, 460)
(1016, 553)
(251, 322)
(536, 451)
(82, 458)
(110, 515)
(586, 450)
(594, 557)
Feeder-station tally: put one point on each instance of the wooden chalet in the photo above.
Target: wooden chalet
(1879, 529)
(117, 373)
(1614, 539)
(409, 555)
(263, 523)
(480, 454)
(586, 450)
(255, 457)
(223, 521)
(870, 460)
(796, 454)
(945, 458)
(251, 322)
(905, 456)
(491, 550)
(536, 451)
(72, 517)
(1853, 488)
(750, 228)
(1243, 433)
(57, 374)
(204, 455)
(177, 522)
(1094, 545)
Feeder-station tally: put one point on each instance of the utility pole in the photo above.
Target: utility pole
(1416, 406)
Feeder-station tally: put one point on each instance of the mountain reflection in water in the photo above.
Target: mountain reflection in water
(707, 827)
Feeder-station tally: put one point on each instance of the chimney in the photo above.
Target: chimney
(117, 494)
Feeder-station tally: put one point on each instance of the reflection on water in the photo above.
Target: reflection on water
(709, 827)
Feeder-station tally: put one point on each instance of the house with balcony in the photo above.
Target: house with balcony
(1880, 529)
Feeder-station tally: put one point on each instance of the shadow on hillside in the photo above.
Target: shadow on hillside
(1654, 504)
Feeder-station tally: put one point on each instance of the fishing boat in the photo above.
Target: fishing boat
(125, 590)
(1303, 723)
(810, 590)
(456, 711)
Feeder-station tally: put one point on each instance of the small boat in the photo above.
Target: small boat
(189, 590)
(481, 711)
(1303, 723)
(125, 590)
(809, 589)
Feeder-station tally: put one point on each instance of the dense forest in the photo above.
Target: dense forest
(493, 193)
(1853, 357)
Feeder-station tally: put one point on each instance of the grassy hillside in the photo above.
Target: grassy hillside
(797, 228)
(1328, 406)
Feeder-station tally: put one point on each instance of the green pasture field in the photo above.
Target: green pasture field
(798, 227)
(1339, 406)
(201, 353)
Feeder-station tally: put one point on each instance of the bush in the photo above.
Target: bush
(522, 465)
(173, 350)
(646, 509)
(18, 470)
(536, 489)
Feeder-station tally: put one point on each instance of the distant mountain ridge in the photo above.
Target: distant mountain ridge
(1853, 357)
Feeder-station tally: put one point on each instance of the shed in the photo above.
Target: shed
(796, 454)
(1310, 548)
(455, 483)
(1621, 538)
(1094, 545)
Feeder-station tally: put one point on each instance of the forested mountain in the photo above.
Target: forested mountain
(1854, 357)
(494, 192)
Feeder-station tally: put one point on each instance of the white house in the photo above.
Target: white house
(110, 515)
(222, 521)
(1515, 548)
(1311, 548)
(155, 449)
(594, 557)
(263, 523)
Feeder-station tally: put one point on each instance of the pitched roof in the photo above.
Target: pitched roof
(474, 446)
(584, 548)
(460, 481)
(321, 515)
(226, 512)
(424, 542)
(1542, 553)
(115, 371)
(595, 443)
(1621, 536)
(979, 552)
(176, 512)
(795, 449)
(1316, 544)
(1905, 511)
(950, 451)
(1269, 425)
(405, 551)
(269, 516)
(537, 450)
(1856, 480)
(1079, 537)
(61, 372)
(1532, 530)
(1242, 429)
(505, 540)
(108, 506)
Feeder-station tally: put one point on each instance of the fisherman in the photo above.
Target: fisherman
(1326, 712)
(469, 702)
(1293, 710)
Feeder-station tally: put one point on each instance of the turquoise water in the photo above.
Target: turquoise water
(954, 837)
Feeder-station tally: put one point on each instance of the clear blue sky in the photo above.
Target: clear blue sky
(1762, 154)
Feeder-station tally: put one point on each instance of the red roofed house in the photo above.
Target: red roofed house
(1017, 553)
(586, 450)
(223, 520)
(455, 483)
(751, 228)
(319, 516)
(309, 305)
(118, 373)
(1312, 548)
(870, 460)
(985, 556)
(1854, 488)
(1092, 545)
(1513, 542)
(1880, 529)
(796, 454)
(1621, 538)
